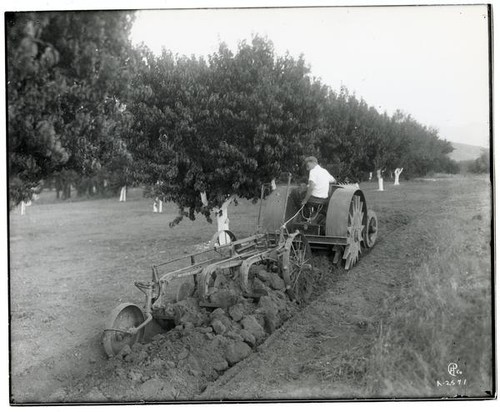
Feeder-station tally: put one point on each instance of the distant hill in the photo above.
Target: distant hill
(465, 152)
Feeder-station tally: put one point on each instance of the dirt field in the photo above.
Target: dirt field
(391, 326)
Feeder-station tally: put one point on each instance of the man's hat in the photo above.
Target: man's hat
(310, 159)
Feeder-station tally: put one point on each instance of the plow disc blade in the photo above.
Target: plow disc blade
(123, 317)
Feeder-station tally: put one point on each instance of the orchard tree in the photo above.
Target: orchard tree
(356, 140)
(35, 148)
(68, 76)
(385, 146)
(481, 164)
(209, 130)
(424, 151)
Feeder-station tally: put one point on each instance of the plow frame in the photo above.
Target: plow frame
(237, 255)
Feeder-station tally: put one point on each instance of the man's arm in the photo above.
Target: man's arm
(332, 179)
(310, 188)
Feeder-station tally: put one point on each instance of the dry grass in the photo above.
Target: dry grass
(442, 315)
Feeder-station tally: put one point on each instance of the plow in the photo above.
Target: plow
(229, 269)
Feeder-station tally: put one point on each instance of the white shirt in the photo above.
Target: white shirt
(322, 180)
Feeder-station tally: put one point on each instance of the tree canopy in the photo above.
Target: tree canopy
(480, 165)
(81, 99)
(222, 126)
(226, 124)
(68, 76)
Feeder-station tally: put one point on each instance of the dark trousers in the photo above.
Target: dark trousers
(313, 200)
(316, 207)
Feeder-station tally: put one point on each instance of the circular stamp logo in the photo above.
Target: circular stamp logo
(453, 369)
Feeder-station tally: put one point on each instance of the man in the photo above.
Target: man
(319, 182)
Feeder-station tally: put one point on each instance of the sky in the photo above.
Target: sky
(430, 62)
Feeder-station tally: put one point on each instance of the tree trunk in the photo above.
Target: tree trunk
(223, 221)
(100, 188)
(66, 191)
(397, 172)
(370, 176)
(23, 208)
(82, 188)
(123, 194)
(204, 200)
(58, 186)
(157, 205)
(380, 180)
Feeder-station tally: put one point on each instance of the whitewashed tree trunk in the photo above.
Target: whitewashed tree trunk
(273, 185)
(157, 205)
(223, 220)
(397, 172)
(370, 177)
(123, 194)
(380, 180)
(22, 208)
(204, 200)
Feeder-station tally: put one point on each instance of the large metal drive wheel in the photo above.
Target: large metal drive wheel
(355, 229)
(123, 317)
(297, 267)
